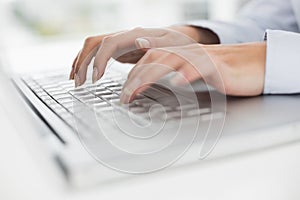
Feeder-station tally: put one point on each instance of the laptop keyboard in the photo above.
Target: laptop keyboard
(61, 97)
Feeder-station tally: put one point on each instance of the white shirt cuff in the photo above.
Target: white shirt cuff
(239, 31)
(282, 74)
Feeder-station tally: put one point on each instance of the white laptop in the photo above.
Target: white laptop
(92, 138)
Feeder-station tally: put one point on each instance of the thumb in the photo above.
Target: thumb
(149, 42)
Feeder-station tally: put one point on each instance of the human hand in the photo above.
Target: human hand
(126, 46)
(237, 70)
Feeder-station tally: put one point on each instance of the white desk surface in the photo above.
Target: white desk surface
(268, 174)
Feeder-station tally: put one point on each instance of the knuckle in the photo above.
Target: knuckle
(171, 54)
(151, 53)
(107, 39)
(89, 40)
(138, 29)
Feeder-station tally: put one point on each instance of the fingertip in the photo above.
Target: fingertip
(77, 80)
(95, 75)
(71, 76)
(80, 75)
(125, 95)
(132, 97)
(74, 64)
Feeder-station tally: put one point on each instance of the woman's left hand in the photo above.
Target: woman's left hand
(237, 70)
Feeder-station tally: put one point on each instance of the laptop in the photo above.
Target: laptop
(92, 138)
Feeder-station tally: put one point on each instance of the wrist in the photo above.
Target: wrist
(200, 35)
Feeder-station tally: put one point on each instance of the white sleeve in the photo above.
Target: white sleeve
(283, 63)
(252, 21)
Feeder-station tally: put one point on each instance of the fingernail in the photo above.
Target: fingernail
(125, 95)
(71, 77)
(143, 43)
(95, 75)
(177, 80)
(129, 90)
(77, 80)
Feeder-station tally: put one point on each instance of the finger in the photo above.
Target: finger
(170, 50)
(132, 57)
(71, 77)
(168, 38)
(120, 44)
(89, 44)
(138, 84)
(86, 55)
(149, 57)
(186, 74)
(150, 42)
(198, 65)
(82, 72)
(138, 65)
(115, 45)
(154, 67)
(153, 43)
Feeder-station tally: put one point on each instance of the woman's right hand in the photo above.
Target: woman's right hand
(127, 47)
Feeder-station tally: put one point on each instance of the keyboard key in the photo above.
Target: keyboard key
(93, 101)
(50, 101)
(187, 107)
(110, 96)
(61, 95)
(115, 88)
(66, 83)
(68, 105)
(102, 98)
(76, 90)
(57, 92)
(104, 108)
(154, 93)
(103, 81)
(102, 93)
(51, 87)
(86, 97)
(197, 112)
(159, 109)
(111, 84)
(79, 92)
(101, 104)
(114, 101)
(46, 98)
(65, 100)
(173, 115)
(212, 116)
(145, 102)
(137, 109)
